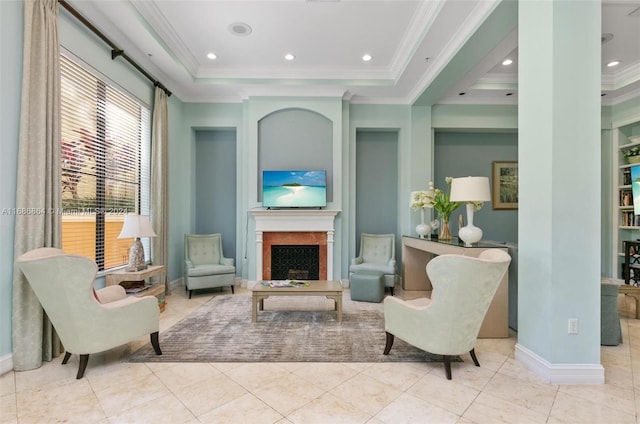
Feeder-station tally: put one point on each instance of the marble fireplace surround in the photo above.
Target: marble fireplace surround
(294, 227)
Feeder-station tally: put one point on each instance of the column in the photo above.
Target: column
(559, 189)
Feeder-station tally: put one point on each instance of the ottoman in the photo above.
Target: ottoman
(367, 286)
(610, 331)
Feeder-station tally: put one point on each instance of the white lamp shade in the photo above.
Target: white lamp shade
(470, 189)
(136, 226)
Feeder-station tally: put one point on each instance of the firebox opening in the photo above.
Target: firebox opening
(295, 262)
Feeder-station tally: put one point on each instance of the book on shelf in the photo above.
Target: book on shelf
(135, 290)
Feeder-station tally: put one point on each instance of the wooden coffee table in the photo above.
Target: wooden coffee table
(329, 289)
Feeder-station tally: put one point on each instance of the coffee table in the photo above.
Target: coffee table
(330, 289)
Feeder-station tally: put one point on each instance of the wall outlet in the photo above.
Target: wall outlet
(573, 325)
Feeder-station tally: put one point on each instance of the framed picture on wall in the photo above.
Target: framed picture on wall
(505, 185)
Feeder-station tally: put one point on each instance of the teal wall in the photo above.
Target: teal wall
(216, 186)
(376, 190)
(462, 154)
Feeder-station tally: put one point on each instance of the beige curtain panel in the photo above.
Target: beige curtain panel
(38, 184)
(159, 180)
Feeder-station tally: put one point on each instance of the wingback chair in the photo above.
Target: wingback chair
(449, 322)
(87, 321)
(377, 254)
(205, 264)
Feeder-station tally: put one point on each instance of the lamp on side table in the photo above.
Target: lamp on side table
(136, 226)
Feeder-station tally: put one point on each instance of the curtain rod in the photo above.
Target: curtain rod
(115, 51)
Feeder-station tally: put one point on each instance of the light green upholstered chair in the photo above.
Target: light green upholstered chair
(377, 254)
(87, 321)
(449, 322)
(205, 265)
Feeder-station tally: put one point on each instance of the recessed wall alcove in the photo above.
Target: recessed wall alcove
(295, 139)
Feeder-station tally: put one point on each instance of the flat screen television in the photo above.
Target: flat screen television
(294, 189)
(635, 189)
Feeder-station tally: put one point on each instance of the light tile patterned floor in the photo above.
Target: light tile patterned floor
(500, 391)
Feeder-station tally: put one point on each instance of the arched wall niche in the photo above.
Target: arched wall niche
(295, 139)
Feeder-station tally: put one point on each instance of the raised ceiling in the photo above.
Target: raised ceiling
(423, 52)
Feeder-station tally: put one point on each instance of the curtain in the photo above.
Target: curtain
(159, 180)
(38, 193)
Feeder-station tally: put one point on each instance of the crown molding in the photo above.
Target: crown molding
(419, 26)
(474, 20)
(160, 28)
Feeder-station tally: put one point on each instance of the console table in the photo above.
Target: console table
(417, 252)
(157, 289)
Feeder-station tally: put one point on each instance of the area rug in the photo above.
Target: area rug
(221, 331)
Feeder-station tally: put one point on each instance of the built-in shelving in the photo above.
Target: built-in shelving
(626, 220)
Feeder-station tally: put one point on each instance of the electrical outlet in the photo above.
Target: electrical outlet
(573, 325)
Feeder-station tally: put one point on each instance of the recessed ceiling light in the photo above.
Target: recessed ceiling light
(289, 56)
(211, 56)
(239, 28)
(367, 57)
(507, 62)
(613, 63)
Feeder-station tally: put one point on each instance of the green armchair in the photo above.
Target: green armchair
(377, 254)
(205, 264)
(449, 322)
(87, 321)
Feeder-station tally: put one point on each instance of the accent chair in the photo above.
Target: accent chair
(87, 320)
(377, 254)
(205, 264)
(448, 323)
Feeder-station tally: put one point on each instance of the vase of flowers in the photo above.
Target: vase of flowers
(441, 201)
(420, 201)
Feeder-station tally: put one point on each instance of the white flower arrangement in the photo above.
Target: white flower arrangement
(420, 199)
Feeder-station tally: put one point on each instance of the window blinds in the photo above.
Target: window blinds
(105, 165)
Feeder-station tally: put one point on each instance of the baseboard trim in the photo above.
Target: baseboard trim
(6, 363)
(560, 373)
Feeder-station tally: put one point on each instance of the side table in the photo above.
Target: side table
(157, 289)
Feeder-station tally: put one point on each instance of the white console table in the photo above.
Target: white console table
(416, 253)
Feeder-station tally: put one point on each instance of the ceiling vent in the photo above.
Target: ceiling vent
(240, 28)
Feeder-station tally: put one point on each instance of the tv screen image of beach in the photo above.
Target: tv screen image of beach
(635, 188)
(294, 189)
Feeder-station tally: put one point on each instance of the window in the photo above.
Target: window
(105, 139)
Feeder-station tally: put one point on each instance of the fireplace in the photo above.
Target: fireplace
(294, 243)
(303, 227)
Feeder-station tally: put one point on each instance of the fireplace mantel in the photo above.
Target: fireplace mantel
(294, 220)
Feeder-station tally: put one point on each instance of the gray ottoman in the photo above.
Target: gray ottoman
(367, 286)
(610, 331)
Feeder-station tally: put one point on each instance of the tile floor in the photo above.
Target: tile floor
(500, 391)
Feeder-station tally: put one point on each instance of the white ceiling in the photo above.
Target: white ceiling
(412, 43)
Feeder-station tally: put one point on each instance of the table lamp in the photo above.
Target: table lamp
(136, 226)
(470, 190)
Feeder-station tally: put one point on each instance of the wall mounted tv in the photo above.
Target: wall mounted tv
(635, 191)
(294, 189)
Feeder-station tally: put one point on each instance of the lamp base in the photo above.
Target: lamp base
(470, 234)
(136, 257)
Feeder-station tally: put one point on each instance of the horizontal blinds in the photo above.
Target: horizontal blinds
(102, 145)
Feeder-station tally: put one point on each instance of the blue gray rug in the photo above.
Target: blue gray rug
(221, 331)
